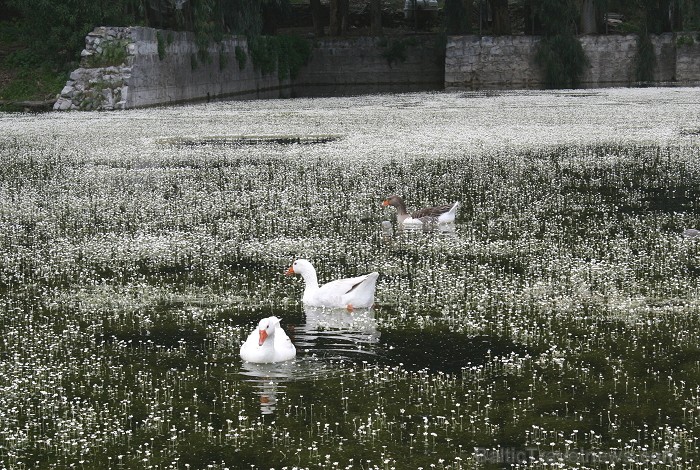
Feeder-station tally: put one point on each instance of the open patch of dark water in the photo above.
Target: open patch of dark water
(330, 342)
(243, 140)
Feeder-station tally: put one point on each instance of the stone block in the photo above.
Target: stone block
(67, 91)
(62, 104)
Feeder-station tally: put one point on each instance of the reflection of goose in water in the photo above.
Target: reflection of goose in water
(387, 230)
(691, 233)
(337, 333)
(268, 381)
(448, 229)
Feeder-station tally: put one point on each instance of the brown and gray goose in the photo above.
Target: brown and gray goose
(444, 214)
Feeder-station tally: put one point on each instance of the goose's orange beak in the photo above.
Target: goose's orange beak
(289, 271)
(263, 337)
(385, 203)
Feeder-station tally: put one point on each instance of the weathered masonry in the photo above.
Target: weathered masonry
(166, 67)
(508, 62)
(135, 67)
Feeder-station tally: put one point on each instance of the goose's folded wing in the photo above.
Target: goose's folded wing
(282, 341)
(432, 211)
(343, 286)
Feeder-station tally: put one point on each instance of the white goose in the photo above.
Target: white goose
(268, 343)
(444, 214)
(350, 293)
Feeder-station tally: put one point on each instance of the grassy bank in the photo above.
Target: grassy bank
(24, 77)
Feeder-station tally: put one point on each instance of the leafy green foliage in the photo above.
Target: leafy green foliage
(557, 16)
(56, 31)
(113, 53)
(263, 54)
(294, 52)
(161, 45)
(559, 53)
(206, 29)
(563, 60)
(223, 59)
(31, 77)
(22, 59)
(395, 49)
(685, 40)
(36, 83)
(286, 54)
(241, 57)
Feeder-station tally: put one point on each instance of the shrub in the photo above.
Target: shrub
(646, 59)
(113, 53)
(223, 59)
(263, 54)
(241, 57)
(685, 40)
(161, 45)
(395, 49)
(286, 54)
(294, 53)
(563, 60)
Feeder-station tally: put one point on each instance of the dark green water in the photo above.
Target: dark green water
(556, 321)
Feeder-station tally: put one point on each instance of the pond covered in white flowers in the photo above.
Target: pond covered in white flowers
(556, 323)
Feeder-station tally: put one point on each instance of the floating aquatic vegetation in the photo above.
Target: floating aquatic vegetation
(250, 140)
(134, 261)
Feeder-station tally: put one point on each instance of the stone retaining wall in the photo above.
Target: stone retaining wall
(688, 58)
(94, 86)
(143, 75)
(508, 62)
(135, 67)
(146, 76)
(361, 65)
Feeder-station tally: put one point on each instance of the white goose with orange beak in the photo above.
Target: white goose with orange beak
(349, 293)
(268, 343)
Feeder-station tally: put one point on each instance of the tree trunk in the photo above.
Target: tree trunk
(317, 18)
(375, 13)
(501, 17)
(657, 12)
(339, 17)
(334, 27)
(676, 16)
(588, 17)
(344, 11)
(665, 13)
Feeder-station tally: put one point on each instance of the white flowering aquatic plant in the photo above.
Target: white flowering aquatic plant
(556, 325)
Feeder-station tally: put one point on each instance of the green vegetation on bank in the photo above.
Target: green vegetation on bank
(559, 53)
(23, 73)
(41, 40)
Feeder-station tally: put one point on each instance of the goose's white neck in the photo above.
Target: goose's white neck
(310, 282)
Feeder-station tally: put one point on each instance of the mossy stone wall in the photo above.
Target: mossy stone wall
(508, 62)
